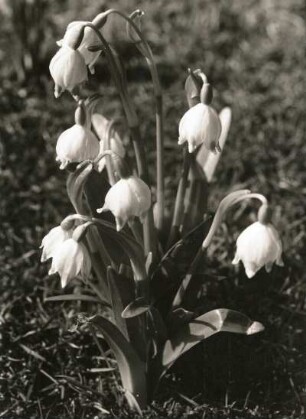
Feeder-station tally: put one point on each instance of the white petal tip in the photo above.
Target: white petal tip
(249, 273)
(255, 327)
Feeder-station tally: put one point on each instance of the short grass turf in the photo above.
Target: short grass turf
(253, 53)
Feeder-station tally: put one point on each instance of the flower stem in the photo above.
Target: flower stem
(179, 201)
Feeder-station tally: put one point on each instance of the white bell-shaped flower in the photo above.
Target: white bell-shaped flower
(257, 246)
(100, 124)
(68, 69)
(129, 197)
(52, 240)
(71, 259)
(200, 124)
(76, 144)
(90, 38)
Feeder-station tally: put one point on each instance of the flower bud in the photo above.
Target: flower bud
(75, 145)
(129, 197)
(52, 240)
(114, 143)
(82, 38)
(200, 124)
(257, 246)
(70, 259)
(68, 69)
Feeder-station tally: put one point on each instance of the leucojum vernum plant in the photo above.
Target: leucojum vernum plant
(118, 244)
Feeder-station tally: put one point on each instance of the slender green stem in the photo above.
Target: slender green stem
(179, 201)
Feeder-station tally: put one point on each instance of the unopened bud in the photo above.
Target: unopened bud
(80, 114)
(206, 94)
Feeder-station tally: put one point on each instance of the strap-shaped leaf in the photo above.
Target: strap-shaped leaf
(132, 369)
(215, 321)
(173, 266)
(135, 308)
(208, 160)
(77, 297)
(122, 289)
(117, 303)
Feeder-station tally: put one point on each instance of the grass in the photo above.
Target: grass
(252, 52)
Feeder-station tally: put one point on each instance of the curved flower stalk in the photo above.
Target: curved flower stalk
(77, 143)
(130, 197)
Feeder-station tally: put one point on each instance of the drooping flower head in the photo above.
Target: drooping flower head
(52, 240)
(257, 246)
(71, 259)
(68, 70)
(77, 143)
(201, 123)
(129, 197)
(89, 38)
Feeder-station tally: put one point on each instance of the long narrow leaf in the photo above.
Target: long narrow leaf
(215, 321)
(76, 297)
(132, 369)
(117, 303)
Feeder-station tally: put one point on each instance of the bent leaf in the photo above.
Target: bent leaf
(132, 369)
(135, 308)
(215, 321)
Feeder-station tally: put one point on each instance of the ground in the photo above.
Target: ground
(252, 51)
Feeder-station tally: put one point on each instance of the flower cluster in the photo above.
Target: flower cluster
(101, 248)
